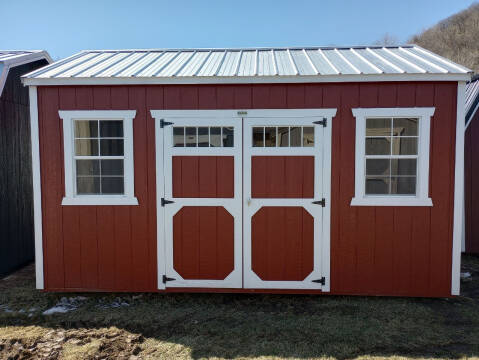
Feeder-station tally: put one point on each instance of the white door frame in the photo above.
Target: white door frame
(321, 152)
(327, 114)
(166, 213)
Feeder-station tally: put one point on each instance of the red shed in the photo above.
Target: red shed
(293, 170)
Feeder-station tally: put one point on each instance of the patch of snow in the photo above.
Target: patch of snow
(465, 275)
(5, 308)
(117, 303)
(65, 305)
(57, 309)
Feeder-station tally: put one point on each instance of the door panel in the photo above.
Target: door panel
(282, 176)
(282, 243)
(203, 176)
(203, 230)
(203, 242)
(282, 227)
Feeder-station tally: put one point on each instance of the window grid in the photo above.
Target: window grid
(392, 156)
(277, 137)
(222, 136)
(98, 157)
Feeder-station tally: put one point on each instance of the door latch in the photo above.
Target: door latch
(321, 202)
(166, 202)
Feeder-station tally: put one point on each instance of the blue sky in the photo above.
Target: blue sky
(65, 27)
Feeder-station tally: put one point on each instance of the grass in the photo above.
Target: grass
(239, 326)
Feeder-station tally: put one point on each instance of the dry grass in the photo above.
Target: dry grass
(184, 326)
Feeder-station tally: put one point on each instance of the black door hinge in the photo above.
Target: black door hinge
(321, 202)
(321, 281)
(321, 122)
(166, 278)
(164, 123)
(166, 202)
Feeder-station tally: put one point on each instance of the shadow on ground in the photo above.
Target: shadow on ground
(235, 325)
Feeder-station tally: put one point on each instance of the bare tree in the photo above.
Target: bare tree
(387, 40)
(455, 37)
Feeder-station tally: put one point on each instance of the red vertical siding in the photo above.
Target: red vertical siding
(203, 242)
(282, 176)
(374, 250)
(471, 166)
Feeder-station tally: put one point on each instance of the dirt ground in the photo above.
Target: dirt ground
(185, 326)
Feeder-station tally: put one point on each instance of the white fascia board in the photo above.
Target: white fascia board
(192, 80)
(458, 192)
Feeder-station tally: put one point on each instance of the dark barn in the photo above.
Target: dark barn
(471, 169)
(16, 192)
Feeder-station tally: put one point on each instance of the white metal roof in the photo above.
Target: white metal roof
(12, 58)
(315, 64)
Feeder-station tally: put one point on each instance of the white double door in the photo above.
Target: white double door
(242, 200)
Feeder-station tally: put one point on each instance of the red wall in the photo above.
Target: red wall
(374, 250)
(471, 179)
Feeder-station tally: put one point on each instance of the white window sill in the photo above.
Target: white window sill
(100, 200)
(390, 201)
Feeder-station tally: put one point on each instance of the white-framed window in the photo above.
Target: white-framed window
(98, 152)
(392, 156)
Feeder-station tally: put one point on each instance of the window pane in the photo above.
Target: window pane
(283, 136)
(308, 136)
(190, 138)
(378, 127)
(112, 185)
(203, 137)
(378, 167)
(112, 167)
(88, 167)
(403, 185)
(258, 133)
(377, 185)
(88, 185)
(378, 146)
(228, 137)
(403, 167)
(111, 147)
(270, 137)
(86, 147)
(86, 128)
(178, 136)
(109, 128)
(295, 136)
(404, 146)
(405, 126)
(215, 136)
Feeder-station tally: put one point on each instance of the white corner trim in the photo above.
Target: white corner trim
(70, 193)
(458, 192)
(37, 188)
(422, 197)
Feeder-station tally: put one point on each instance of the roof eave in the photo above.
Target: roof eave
(196, 80)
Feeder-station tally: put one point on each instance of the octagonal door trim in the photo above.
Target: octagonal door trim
(199, 158)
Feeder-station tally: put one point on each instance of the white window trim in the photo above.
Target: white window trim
(422, 187)
(70, 197)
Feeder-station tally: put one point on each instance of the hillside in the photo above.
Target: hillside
(456, 38)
